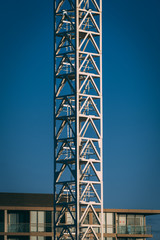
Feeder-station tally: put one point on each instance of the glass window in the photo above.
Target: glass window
(18, 221)
(139, 220)
(41, 238)
(33, 221)
(130, 220)
(122, 220)
(33, 238)
(121, 228)
(41, 221)
(109, 222)
(48, 221)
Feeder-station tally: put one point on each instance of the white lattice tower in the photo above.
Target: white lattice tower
(78, 185)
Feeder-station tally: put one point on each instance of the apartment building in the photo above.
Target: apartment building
(30, 217)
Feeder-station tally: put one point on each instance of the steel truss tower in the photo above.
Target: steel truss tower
(78, 185)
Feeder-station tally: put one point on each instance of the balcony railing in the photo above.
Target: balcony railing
(33, 227)
(130, 229)
(27, 227)
(18, 227)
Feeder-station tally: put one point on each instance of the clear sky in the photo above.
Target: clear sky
(131, 86)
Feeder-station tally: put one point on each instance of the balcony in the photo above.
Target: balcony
(18, 227)
(27, 227)
(130, 229)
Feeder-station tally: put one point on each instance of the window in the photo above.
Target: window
(137, 220)
(122, 220)
(41, 221)
(18, 221)
(110, 222)
(121, 228)
(33, 221)
(48, 218)
(130, 224)
(130, 220)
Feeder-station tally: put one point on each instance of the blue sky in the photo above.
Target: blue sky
(131, 86)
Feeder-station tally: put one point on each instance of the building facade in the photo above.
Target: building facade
(30, 217)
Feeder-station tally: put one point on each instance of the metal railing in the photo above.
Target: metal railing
(127, 229)
(47, 227)
(133, 229)
(27, 227)
(18, 227)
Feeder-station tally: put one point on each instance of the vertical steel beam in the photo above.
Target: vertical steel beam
(78, 182)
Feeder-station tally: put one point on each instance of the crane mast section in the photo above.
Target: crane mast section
(78, 167)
